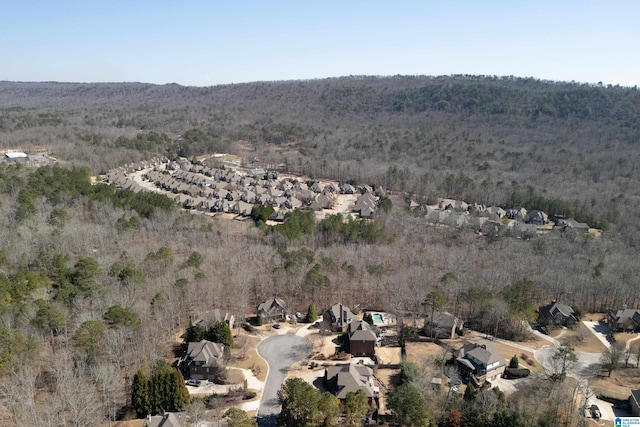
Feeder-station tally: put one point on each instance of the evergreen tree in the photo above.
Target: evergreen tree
(239, 418)
(194, 333)
(299, 402)
(513, 363)
(356, 407)
(329, 407)
(408, 406)
(221, 333)
(311, 316)
(140, 393)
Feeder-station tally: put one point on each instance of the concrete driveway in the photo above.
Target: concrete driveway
(280, 352)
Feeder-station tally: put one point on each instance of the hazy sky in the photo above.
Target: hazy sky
(204, 43)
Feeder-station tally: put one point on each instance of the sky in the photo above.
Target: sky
(206, 43)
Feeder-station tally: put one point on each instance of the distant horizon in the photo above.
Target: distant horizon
(542, 80)
(203, 43)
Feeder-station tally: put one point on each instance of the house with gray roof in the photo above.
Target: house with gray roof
(168, 419)
(480, 362)
(556, 314)
(443, 325)
(272, 310)
(362, 339)
(624, 320)
(341, 380)
(337, 318)
(203, 360)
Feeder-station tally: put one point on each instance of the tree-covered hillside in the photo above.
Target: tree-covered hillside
(96, 282)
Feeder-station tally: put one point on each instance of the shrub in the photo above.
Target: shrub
(512, 373)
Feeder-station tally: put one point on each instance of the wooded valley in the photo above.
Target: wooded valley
(97, 282)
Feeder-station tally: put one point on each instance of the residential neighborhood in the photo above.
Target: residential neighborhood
(348, 353)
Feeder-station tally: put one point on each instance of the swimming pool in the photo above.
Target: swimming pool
(377, 319)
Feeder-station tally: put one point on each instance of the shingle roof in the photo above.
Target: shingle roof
(350, 378)
(361, 331)
(207, 352)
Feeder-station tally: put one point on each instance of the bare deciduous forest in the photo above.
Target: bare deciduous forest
(70, 251)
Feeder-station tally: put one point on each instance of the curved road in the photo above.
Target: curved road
(280, 352)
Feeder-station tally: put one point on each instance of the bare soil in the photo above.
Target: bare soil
(582, 339)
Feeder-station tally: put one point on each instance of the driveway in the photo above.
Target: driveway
(280, 352)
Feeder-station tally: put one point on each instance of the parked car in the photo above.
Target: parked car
(194, 383)
(595, 412)
(276, 326)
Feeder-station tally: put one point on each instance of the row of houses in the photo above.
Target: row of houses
(489, 220)
(202, 188)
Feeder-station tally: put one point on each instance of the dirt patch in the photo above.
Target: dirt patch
(388, 380)
(582, 339)
(419, 351)
(620, 383)
(389, 355)
(247, 357)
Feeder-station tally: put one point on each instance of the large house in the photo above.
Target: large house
(341, 380)
(480, 362)
(362, 340)
(556, 314)
(625, 320)
(272, 310)
(337, 318)
(203, 360)
(444, 325)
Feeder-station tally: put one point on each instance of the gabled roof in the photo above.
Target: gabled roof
(551, 310)
(360, 331)
(350, 378)
(442, 319)
(171, 419)
(486, 354)
(626, 314)
(204, 353)
(340, 315)
(272, 306)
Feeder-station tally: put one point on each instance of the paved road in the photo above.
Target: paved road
(280, 352)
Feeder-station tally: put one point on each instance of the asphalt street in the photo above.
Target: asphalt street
(280, 352)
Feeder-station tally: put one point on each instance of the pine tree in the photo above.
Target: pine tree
(140, 393)
(312, 315)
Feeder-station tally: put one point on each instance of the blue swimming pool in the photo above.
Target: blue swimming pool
(377, 319)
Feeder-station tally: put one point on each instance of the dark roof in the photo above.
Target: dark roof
(550, 310)
(635, 395)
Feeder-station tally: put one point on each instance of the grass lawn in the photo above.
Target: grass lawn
(247, 357)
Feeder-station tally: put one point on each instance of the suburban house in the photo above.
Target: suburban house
(556, 314)
(625, 320)
(444, 325)
(341, 380)
(204, 360)
(169, 419)
(272, 310)
(362, 340)
(634, 403)
(480, 362)
(217, 315)
(337, 318)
